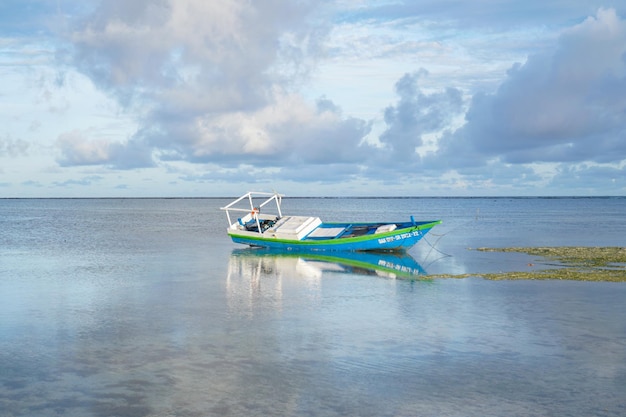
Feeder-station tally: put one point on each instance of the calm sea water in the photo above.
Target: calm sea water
(145, 308)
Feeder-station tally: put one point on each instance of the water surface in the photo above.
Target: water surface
(145, 308)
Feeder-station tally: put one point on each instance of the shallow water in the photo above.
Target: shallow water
(145, 308)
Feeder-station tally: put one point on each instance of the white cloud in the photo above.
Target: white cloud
(568, 105)
(201, 92)
(211, 77)
(77, 148)
(416, 114)
(287, 132)
(13, 147)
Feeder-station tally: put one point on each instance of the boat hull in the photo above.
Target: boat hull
(396, 240)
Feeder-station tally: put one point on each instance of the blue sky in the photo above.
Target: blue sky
(184, 98)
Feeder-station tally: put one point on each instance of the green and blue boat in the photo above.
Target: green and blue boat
(256, 219)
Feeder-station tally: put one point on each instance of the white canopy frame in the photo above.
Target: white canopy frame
(250, 196)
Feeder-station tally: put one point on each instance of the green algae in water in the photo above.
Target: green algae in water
(573, 263)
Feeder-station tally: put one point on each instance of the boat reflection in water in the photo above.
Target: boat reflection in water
(388, 265)
(256, 274)
(256, 263)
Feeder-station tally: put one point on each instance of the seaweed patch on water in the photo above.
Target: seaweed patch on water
(567, 263)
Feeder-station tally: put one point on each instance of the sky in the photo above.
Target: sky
(196, 98)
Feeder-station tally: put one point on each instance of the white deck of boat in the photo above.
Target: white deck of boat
(293, 227)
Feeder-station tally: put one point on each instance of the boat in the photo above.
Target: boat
(256, 219)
